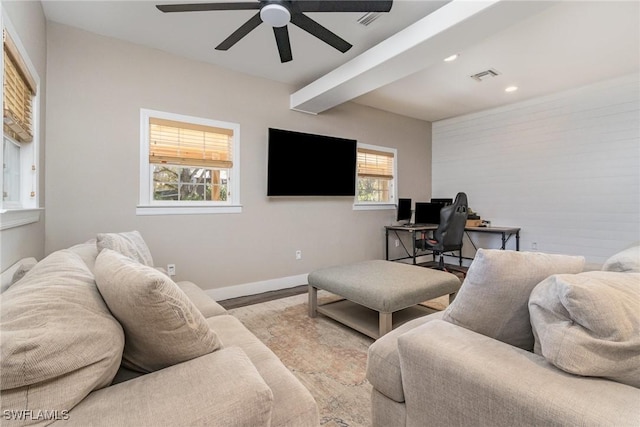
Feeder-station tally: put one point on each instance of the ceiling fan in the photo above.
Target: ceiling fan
(278, 13)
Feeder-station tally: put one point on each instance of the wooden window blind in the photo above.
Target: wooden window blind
(19, 91)
(375, 164)
(179, 143)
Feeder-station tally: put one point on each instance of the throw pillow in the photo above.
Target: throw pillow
(162, 327)
(589, 324)
(59, 340)
(493, 297)
(129, 243)
(624, 261)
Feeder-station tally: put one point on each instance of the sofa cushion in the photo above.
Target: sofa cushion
(207, 306)
(220, 389)
(128, 243)
(54, 323)
(627, 260)
(293, 405)
(589, 324)
(494, 296)
(162, 327)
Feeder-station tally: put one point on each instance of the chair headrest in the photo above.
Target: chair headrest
(461, 199)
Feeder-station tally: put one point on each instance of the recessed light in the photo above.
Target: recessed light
(451, 58)
(511, 89)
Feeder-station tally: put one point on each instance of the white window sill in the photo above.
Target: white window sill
(11, 218)
(372, 206)
(187, 210)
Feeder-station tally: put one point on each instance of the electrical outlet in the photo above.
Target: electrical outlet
(298, 254)
(397, 243)
(171, 269)
(534, 245)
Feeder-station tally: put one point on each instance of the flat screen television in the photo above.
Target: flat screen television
(404, 210)
(304, 164)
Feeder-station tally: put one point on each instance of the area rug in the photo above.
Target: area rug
(330, 359)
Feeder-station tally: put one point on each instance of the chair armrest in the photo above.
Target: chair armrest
(454, 376)
(222, 388)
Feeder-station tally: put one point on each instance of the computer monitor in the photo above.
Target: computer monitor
(445, 202)
(428, 213)
(404, 210)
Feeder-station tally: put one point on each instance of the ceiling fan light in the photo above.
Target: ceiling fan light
(275, 15)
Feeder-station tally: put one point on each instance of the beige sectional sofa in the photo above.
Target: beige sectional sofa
(531, 339)
(95, 335)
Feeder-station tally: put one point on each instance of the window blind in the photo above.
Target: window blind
(375, 164)
(18, 92)
(189, 144)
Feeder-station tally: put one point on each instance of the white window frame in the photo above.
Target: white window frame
(393, 200)
(27, 210)
(148, 206)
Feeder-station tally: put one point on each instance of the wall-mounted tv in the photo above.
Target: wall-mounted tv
(303, 164)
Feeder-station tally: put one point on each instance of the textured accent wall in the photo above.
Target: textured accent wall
(565, 167)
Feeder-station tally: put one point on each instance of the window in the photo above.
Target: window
(20, 101)
(11, 173)
(376, 180)
(188, 164)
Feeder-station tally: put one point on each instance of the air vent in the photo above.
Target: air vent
(368, 18)
(483, 75)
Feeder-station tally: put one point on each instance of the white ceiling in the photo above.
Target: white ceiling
(541, 47)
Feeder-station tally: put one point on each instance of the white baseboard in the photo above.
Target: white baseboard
(254, 288)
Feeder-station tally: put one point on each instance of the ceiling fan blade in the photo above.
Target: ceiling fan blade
(199, 7)
(284, 45)
(344, 6)
(238, 34)
(315, 29)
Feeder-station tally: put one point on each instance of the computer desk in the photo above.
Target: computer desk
(505, 232)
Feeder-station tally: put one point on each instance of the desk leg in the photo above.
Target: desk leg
(504, 241)
(413, 245)
(386, 247)
(517, 240)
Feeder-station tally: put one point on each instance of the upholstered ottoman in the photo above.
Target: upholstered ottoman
(386, 292)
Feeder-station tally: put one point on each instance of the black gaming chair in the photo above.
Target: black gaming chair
(448, 236)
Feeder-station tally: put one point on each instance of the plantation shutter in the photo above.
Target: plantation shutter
(375, 164)
(179, 143)
(18, 92)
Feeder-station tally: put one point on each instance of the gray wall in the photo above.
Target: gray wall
(565, 167)
(29, 22)
(97, 86)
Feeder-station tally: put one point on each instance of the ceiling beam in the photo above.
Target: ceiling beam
(446, 31)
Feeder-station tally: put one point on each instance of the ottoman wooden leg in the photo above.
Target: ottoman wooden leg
(313, 301)
(385, 323)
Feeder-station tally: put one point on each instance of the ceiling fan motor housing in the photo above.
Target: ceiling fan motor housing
(275, 14)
